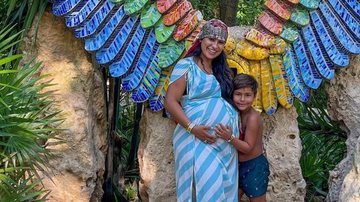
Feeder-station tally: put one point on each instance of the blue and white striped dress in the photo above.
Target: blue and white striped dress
(212, 167)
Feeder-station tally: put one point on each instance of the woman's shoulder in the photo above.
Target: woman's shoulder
(181, 67)
(185, 61)
(184, 64)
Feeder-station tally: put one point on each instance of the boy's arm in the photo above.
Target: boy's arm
(253, 126)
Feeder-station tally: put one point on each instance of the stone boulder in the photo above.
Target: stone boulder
(156, 158)
(343, 105)
(283, 150)
(78, 168)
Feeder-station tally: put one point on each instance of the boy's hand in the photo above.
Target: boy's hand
(223, 132)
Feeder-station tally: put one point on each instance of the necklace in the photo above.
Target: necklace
(203, 66)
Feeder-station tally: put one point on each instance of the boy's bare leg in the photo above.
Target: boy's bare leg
(261, 198)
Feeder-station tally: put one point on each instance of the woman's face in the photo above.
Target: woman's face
(212, 47)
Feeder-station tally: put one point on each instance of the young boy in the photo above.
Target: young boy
(253, 165)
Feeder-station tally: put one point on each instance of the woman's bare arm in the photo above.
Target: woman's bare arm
(172, 101)
(172, 104)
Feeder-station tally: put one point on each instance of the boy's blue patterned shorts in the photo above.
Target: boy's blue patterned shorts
(254, 176)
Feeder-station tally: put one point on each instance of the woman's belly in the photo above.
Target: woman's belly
(211, 112)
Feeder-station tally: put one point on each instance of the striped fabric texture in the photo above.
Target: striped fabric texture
(212, 168)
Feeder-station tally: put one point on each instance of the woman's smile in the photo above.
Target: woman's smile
(212, 47)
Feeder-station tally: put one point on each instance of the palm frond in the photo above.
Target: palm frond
(14, 187)
(27, 117)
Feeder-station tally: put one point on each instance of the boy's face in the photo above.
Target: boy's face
(243, 98)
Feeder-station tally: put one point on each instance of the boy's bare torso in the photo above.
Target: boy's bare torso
(245, 121)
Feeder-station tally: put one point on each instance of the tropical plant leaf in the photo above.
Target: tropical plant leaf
(27, 119)
(9, 59)
(323, 143)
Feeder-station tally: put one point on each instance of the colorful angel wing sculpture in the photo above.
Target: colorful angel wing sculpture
(294, 47)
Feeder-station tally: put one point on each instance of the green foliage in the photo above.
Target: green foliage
(26, 117)
(26, 123)
(17, 186)
(246, 14)
(313, 115)
(209, 8)
(248, 11)
(2, 11)
(123, 136)
(20, 12)
(131, 192)
(320, 154)
(323, 143)
(125, 124)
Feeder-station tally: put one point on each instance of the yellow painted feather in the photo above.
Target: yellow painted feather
(278, 47)
(281, 85)
(241, 61)
(268, 93)
(260, 38)
(230, 45)
(249, 51)
(255, 72)
(234, 65)
(164, 81)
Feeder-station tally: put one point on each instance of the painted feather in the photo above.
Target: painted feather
(282, 89)
(255, 71)
(149, 82)
(141, 63)
(296, 84)
(157, 99)
(149, 16)
(90, 26)
(268, 93)
(294, 46)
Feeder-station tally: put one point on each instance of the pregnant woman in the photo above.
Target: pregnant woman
(199, 98)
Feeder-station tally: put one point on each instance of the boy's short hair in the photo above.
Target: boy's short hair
(245, 80)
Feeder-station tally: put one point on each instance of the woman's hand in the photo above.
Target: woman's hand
(223, 132)
(201, 132)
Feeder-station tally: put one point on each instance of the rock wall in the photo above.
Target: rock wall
(282, 145)
(283, 150)
(343, 105)
(156, 158)
(77, 170)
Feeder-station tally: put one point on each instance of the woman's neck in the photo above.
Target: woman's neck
(205, 60)
(205, 64)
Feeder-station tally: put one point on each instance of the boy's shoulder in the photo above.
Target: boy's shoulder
(254, 117)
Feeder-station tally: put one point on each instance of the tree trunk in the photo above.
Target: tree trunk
(228, 9)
